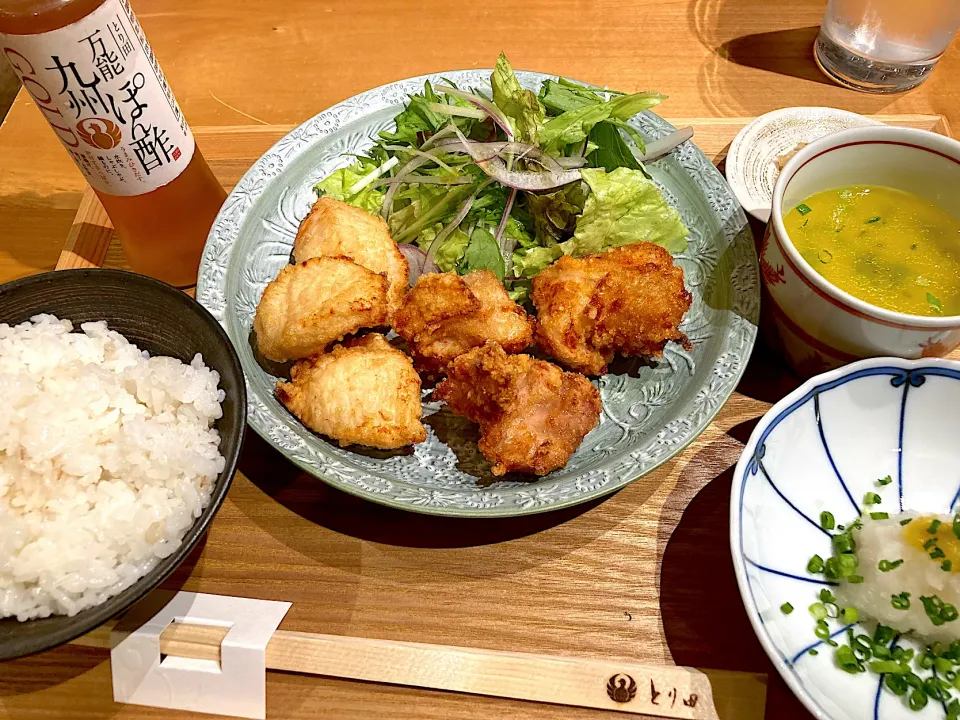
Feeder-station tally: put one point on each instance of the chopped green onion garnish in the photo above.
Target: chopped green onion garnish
(874, 219)
(929, 543)
(818, 610)
(925, 661)
(879, 516)
(815, 565)
(901, 601)
(907, 521)
(937, 553)
(812, 651)
(934, 526)
(888, 565)
(956, 526)
(850, 615)
(843, 543)
(934, 302)
(803, 208)
(885, 481)
(871, 498)
(826, 520)
(918, 700)
(938, 611)
(786, 608)
(896, 684)
(855, 579)
(883, 635)
(943, 665)
(889, 667)
(847, 661)
(827, 596)
(946, 566)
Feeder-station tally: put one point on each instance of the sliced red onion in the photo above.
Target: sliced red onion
(417, 260)
(441, 133)
(523, 151)
(658, 148)
(526, 180)
(496, 168)
(492, 110)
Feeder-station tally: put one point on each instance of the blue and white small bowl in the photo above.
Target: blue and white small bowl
(822, 448)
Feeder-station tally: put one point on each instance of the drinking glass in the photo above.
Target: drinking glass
(884, 46)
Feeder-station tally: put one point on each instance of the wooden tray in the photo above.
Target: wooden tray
(644, 575)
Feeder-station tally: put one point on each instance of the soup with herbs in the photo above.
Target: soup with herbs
(890, 248)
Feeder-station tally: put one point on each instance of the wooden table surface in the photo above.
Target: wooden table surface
(528, 584)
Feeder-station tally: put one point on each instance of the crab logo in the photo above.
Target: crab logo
(99, 133)
(621, 688)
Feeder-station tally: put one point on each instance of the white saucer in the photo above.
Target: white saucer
(752, 168)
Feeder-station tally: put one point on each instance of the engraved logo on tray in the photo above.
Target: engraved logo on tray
(621, 688)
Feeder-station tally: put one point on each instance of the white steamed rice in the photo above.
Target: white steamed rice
(918, 575)
(107, 457)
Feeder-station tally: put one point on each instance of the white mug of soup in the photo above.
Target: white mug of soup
(861, 257)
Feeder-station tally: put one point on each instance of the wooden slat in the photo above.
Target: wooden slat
(563, 680)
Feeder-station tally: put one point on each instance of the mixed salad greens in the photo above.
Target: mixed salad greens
(513, 180)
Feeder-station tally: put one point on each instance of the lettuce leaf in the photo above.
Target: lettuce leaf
(554, 215)
(520, 105)
(612, 150)
(417, 118)
(482, 253)
(624, 207)
(527, 262)
(574, 126)
(451, 250)
(337, 185)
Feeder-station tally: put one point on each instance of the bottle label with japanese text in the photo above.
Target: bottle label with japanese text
(101, 89)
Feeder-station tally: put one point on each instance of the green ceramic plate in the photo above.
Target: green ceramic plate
(649, 413)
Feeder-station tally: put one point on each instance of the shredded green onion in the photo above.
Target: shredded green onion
(884, 481)
(934, 526)
(826, 520)
(879, 516)
(901, 601)
(888, 565)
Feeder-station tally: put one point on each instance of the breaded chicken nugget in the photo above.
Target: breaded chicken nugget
(335, 229)
(446, 314)
(532, 414)
(310, 305)
(630, 300)
(363, 393)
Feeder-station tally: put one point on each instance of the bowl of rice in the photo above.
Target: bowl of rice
(845, 535)
(122, 419)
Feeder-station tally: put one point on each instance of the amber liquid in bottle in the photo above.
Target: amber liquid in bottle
(162, 231)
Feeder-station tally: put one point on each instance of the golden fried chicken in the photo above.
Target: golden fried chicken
(630, 300)
(446, 314)
(532, 414)
(335, 229)
(310, 305)
(362, 393)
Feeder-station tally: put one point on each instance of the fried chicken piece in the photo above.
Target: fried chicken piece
(630, 299)
(446, 314)
(335, 229)
(310, 305)
(532, 414)
(362, 393)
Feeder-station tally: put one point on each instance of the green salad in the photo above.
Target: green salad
(511, 180)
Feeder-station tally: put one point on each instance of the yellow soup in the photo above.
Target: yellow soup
(890, 248)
